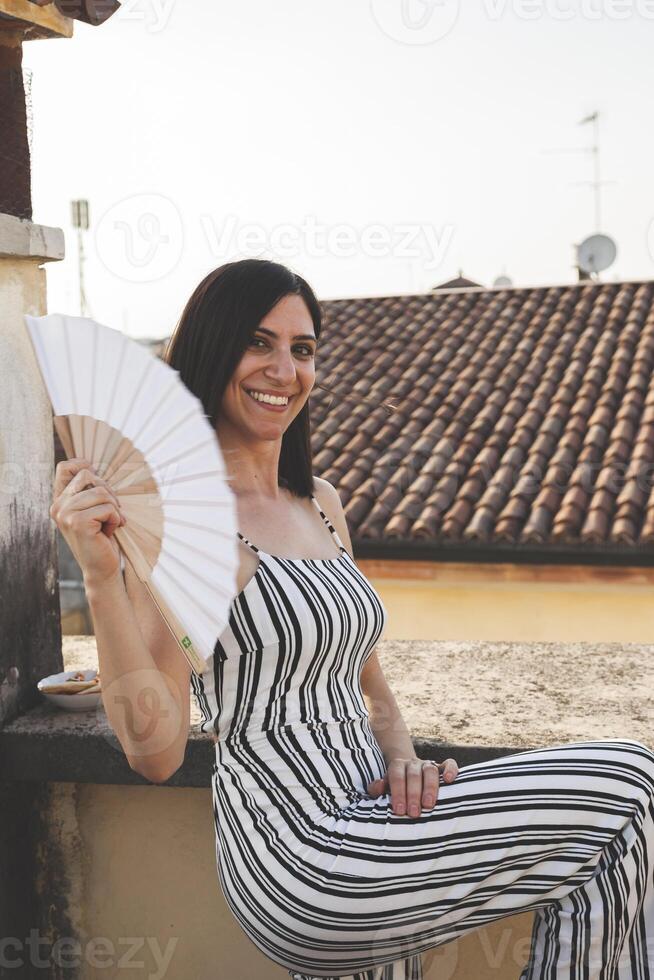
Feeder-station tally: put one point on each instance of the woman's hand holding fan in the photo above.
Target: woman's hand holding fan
(87, 512)
(154, 458)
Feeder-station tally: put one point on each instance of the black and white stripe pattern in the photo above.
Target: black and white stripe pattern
(329, 882)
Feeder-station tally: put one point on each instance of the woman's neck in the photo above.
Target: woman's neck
(253, 468)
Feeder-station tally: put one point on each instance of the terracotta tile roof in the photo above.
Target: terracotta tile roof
(499, 419)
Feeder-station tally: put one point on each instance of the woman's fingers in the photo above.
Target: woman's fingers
(91, 497)
(104, 517)
(449, 769)
(79, 486)
(397, 784)
(413, 786)
(85, 478)
(65, 472)
(430, 780)
(413, 783)
(422, 779)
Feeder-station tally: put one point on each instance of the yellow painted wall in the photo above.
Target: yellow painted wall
(522, 603)
(457, 601)
(141, 870)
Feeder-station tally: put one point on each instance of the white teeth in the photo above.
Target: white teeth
(271, 399)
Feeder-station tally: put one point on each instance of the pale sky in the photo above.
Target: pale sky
(375, 146)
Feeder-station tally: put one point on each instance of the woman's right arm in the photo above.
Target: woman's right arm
(145, 678)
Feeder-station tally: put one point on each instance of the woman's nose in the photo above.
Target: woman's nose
(282, 367)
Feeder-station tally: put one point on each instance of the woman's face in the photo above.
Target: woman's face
(279, 361)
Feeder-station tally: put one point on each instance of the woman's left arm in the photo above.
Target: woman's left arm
(386, 720)
(412, 782)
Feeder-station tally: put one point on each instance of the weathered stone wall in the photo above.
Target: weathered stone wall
(29, 604)
(30, 634)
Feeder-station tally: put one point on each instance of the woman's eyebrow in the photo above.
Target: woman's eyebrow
(299, 336)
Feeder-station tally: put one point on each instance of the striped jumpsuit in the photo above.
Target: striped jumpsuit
(329, 882)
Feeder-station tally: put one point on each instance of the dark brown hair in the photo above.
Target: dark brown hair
(213, 333)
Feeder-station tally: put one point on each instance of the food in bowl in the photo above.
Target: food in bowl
(75, 690)
(77, 684)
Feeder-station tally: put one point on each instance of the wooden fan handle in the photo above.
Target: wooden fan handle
(193, 658)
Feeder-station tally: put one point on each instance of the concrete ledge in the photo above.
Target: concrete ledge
(20, 238)
(42, 747)
(472, 701)
(49, 745)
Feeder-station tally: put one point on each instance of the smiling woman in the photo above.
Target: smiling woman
(340, 853)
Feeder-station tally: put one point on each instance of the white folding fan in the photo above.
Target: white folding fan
(146, 434)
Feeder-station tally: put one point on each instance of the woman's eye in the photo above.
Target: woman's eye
(304, 347)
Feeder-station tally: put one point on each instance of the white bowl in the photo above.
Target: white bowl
(72, 702)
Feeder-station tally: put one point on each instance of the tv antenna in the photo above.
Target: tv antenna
(596, 183)
(80, 220)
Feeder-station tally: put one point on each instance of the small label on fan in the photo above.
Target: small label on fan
(186, 642)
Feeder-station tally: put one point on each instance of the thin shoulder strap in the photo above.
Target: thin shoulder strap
(248, 543)
(328, 523)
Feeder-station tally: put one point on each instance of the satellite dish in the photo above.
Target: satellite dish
(503, 281)
(596, 253)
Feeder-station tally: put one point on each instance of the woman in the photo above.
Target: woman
(337, 850)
